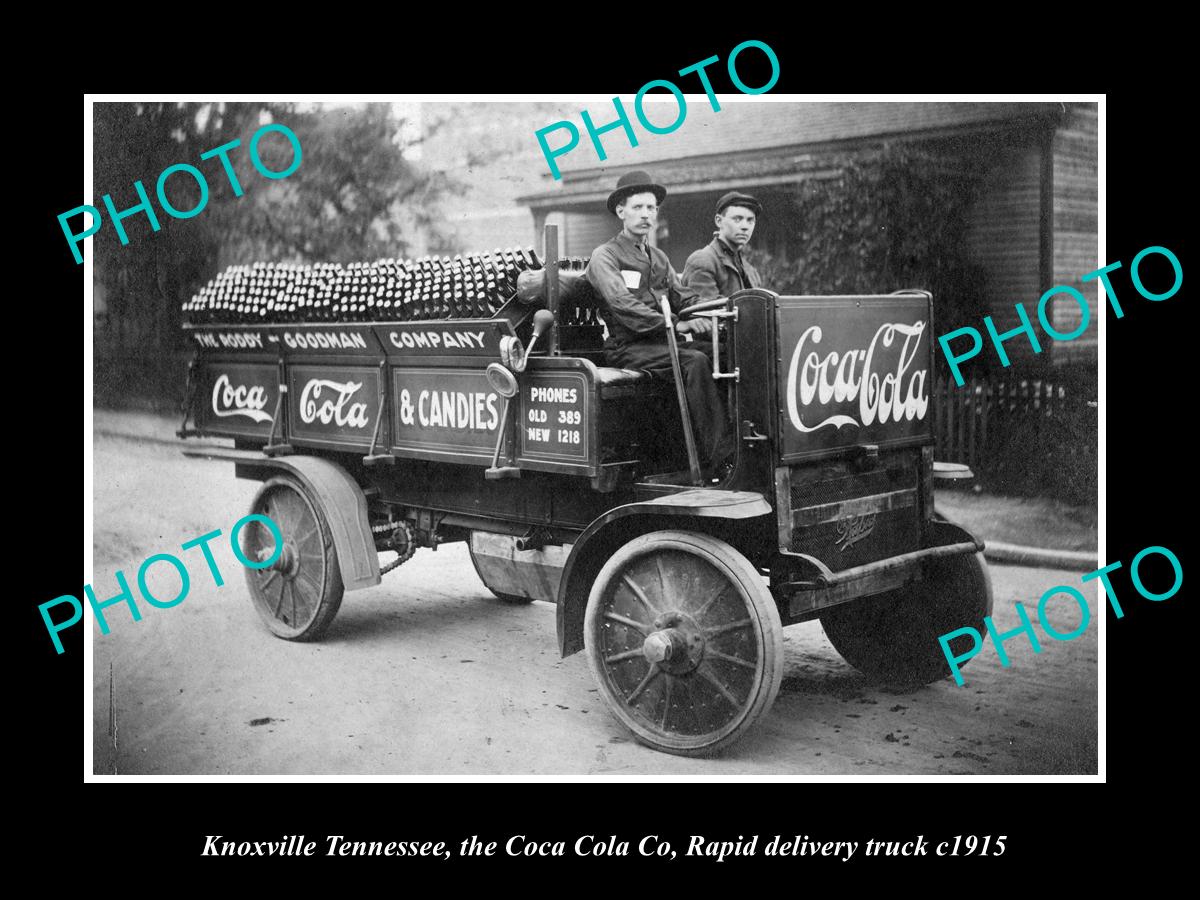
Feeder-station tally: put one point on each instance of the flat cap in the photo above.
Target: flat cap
(737, 198)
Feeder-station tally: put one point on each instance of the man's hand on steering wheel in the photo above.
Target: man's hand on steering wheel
(694, 326)
(690, 322)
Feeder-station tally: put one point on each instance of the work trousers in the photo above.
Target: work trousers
(706, 400)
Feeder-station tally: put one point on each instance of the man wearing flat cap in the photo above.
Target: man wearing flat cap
(718, 269)
(631, 276)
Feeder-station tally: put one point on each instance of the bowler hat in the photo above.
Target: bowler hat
(634, 183)
(737, 198)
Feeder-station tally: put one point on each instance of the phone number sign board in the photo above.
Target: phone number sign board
(555, 417)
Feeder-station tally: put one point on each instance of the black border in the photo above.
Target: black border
(1148, 410)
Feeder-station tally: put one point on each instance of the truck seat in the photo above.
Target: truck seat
(608, 376)
(616, 384)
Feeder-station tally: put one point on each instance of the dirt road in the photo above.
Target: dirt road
(427, 674)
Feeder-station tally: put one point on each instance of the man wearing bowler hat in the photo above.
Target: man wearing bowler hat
(718, 270)
(631, 276)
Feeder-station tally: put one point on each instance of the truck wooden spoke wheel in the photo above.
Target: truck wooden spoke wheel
(684, 640)
(298, 595)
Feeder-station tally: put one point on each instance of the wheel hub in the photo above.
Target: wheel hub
(676, 645)
(288, 561)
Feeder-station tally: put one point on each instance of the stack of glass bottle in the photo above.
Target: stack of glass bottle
(466, 286)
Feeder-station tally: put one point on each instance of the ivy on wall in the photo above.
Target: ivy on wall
(885, 220)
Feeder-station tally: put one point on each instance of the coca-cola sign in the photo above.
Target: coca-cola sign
(249, 400)
(333, 405)
(853, 370)
(237, 398)
(330, 402)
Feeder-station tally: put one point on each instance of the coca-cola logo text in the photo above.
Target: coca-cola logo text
(332, 407)
(850, 375)
(243, 400)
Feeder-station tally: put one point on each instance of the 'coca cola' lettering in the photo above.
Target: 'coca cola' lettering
(243, 400)
(336, 409)
(845, 377)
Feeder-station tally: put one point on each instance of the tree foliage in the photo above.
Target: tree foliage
(357, 195)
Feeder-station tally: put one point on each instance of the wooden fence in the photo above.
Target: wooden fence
(1020, 434)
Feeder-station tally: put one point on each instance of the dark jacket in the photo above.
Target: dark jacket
(630, 284)
(712, 271)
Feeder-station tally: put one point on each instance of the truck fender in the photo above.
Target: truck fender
(339, 496)
(623, 523)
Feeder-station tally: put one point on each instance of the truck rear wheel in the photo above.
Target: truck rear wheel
(514, 599)
(893, 637)
(300, 593)
(684, 640)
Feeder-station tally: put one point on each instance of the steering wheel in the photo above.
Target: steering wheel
(696, 310)
(703, 306)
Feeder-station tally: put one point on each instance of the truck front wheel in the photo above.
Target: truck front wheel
(684, 640)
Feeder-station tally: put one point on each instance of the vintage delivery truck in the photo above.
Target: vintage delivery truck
(562, 475)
